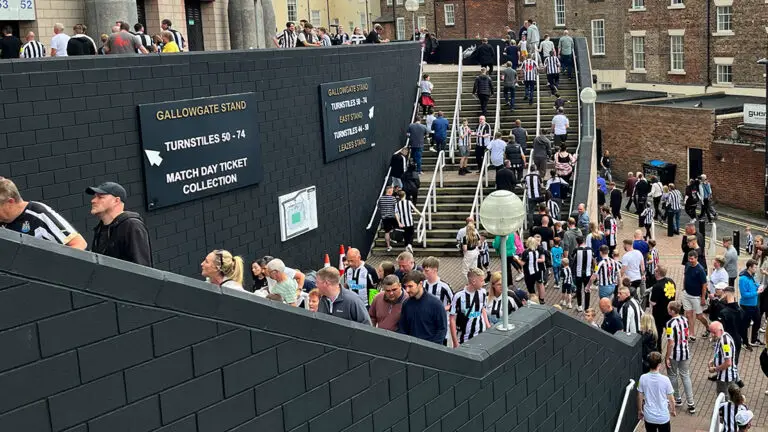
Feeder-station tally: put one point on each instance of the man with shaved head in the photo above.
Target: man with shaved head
(611, 320)
(723, 363)
(33, 48)
(359, 277)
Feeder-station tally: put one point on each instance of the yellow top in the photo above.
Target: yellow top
(171, 47)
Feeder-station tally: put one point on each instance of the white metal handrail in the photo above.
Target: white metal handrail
(457, 107)
(497, 119)
(624, 404)
(714, 424)
(578, 107)
(525, 191)
(407, 140)
(430, 201)
(475, 211)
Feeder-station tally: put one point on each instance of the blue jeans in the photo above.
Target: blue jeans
(509, 96)
(440, 143)
(604, 291)
(676, 214)
(416, 155)
(566, 60)
(556, 272)
(530, 87)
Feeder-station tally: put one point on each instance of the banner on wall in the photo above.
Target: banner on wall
(754, 114)
(348, 117)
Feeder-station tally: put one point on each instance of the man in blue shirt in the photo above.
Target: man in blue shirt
(695, 294)
(422, 315)
(611, 319)
(440, 128)
(749, 290)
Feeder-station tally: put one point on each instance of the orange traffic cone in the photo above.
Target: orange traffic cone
(341, 259)
(326, 261)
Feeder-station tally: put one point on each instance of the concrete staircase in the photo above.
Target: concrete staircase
(454, 199)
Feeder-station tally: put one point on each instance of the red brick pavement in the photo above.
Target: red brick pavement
(704, 390)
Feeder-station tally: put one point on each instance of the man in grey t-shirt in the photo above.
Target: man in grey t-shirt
(416, 133)
(123, 42)
(565, 48)
(509, 76)
(731, 260)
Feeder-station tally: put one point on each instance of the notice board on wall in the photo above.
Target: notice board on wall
(348, 117)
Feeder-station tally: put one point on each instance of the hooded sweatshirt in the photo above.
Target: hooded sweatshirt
(126, 238)
(542, 147)
(748, 289)
(81, 44)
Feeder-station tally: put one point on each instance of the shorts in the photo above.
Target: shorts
(530, 282)
(396, 182)
(567, 288)
(389, 224)
(605, 291)
(463, 151)
(692, 303)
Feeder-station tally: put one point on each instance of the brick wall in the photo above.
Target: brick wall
(749, 21)
(426, 9)
(99, 359)
(482, 19)
(66, 124)
(742, 190)
(635, 134)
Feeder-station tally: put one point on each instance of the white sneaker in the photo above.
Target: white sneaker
(389, 248)
(579, 309)
(562, 303)
(519, 277)
(570, 305)
(409, 248)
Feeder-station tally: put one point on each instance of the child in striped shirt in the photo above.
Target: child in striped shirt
(484, 256)
(567, 286)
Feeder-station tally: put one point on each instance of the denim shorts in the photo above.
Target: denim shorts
(606, 290)
(463, 151)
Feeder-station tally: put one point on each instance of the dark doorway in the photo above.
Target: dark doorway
(599, 141)
(141, 11)
(695, 163)
(194, 25)
(14, 25)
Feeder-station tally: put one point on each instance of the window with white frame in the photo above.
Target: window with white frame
(606, 86)
(400, 28)
(421, 1)
(421, 22)
(336, 21)
(598, 37)
(363, 21)
(676, 53)
(638, 4)
(315, 18)
(530, 1)
(676, 2)
(724, 19)
(725, 74)
(399, 2)
(389, 2)
(351, 26)
(638, 52)
(559, 13)
(293, 11)
(450, 18)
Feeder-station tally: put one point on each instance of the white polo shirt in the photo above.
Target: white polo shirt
(59, 43)
(560, 122)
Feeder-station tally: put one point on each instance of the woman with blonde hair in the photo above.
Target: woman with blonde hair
(469, 246)
(594, 240)
(493, 305)
(650, 335)
(222, 268)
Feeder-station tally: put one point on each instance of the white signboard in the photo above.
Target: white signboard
(298, 213)
(17, 10)
(754, 114)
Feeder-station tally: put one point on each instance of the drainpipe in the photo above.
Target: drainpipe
(434, 16)
(466, 34)
(709, 47)
(328, 9)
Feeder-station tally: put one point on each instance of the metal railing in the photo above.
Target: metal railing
(457, 107)
(407, 140)
(430, 201)
(624, 404)
(714, 424)
(578, 110)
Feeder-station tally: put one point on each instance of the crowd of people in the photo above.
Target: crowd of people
(125, 39)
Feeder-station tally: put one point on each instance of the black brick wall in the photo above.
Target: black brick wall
(66, 124)
(86, 352)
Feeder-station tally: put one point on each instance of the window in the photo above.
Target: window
(389, 2)
(421, 1)
(724, 15)
(677, 2)
(724, 74)
(677, 60)
(638, 4)
(336, 21)
(421, 22)
(598, 37)
(363, 21)
(293, 12)
(559, 13)
(638, 53)
(450, 19)
(606, 86)
(400, 28)
(399, 2)
(351, 26)
(315, 18)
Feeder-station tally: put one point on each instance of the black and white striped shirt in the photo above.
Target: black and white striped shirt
(674, 199)
(677, 332)
(178, 38)
(554, 209)
(582, 262)
(724, 350)
(552, 63)
(530, 258)
(533, 185)
(567, 276)
(33, 49)
(630, 315)
(530, 70)
(43, 222)
(470, 305)
(647, 216)
(605, 271)
(444, 293)
(494, 307)
(287, 39)
(610, 229)
(750, 244)
(728, 412)
(387, 206)
(653, 260)
(404, 210)
(483, 129)
(484, 256)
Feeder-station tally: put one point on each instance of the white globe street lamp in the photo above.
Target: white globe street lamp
(502, 213)
(412, 6)
(588, 96)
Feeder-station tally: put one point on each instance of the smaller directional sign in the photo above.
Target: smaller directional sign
(199, 147)
(348, 117)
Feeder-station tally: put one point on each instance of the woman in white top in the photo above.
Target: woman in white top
(426, 86)
(357, 37)
(221, 268)
(657, 191)
(469, 244)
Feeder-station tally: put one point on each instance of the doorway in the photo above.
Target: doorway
(194, 25)
(14, 26)
(695, 163)
(141, 12)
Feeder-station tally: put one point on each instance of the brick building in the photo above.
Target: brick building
(398, 23)
(461, 19)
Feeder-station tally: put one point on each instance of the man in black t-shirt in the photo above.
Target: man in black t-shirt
(34, 218)
(662, 293)
(545, 231)
(374, 36)
(10, 45)
(611, 320)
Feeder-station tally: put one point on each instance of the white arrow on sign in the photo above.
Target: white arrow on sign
(370, 113)
(154, 157)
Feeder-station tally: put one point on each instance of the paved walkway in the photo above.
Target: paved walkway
(704, 390)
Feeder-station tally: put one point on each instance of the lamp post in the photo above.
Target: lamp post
(412, 6)
(502, 213)
(589, 96)
(764, 62)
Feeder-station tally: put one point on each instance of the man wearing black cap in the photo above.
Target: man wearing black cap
(119, 234)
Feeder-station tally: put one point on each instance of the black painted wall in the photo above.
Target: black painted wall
(69, 123)
(92, 344)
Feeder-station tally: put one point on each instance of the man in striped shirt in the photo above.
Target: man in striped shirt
(722, 362)
(33, 48)
(286, 38)
(630, 311)
(679, 355)
(610, 229)
(581, 263)
(387, 204)
(436, 287)
(530, 72)
(604, 276)
(468, 315)
(674, 204)
(552, 65)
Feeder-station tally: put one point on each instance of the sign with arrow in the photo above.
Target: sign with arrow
(195, 148)
(348, 117)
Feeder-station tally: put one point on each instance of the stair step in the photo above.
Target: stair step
(429, 251)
